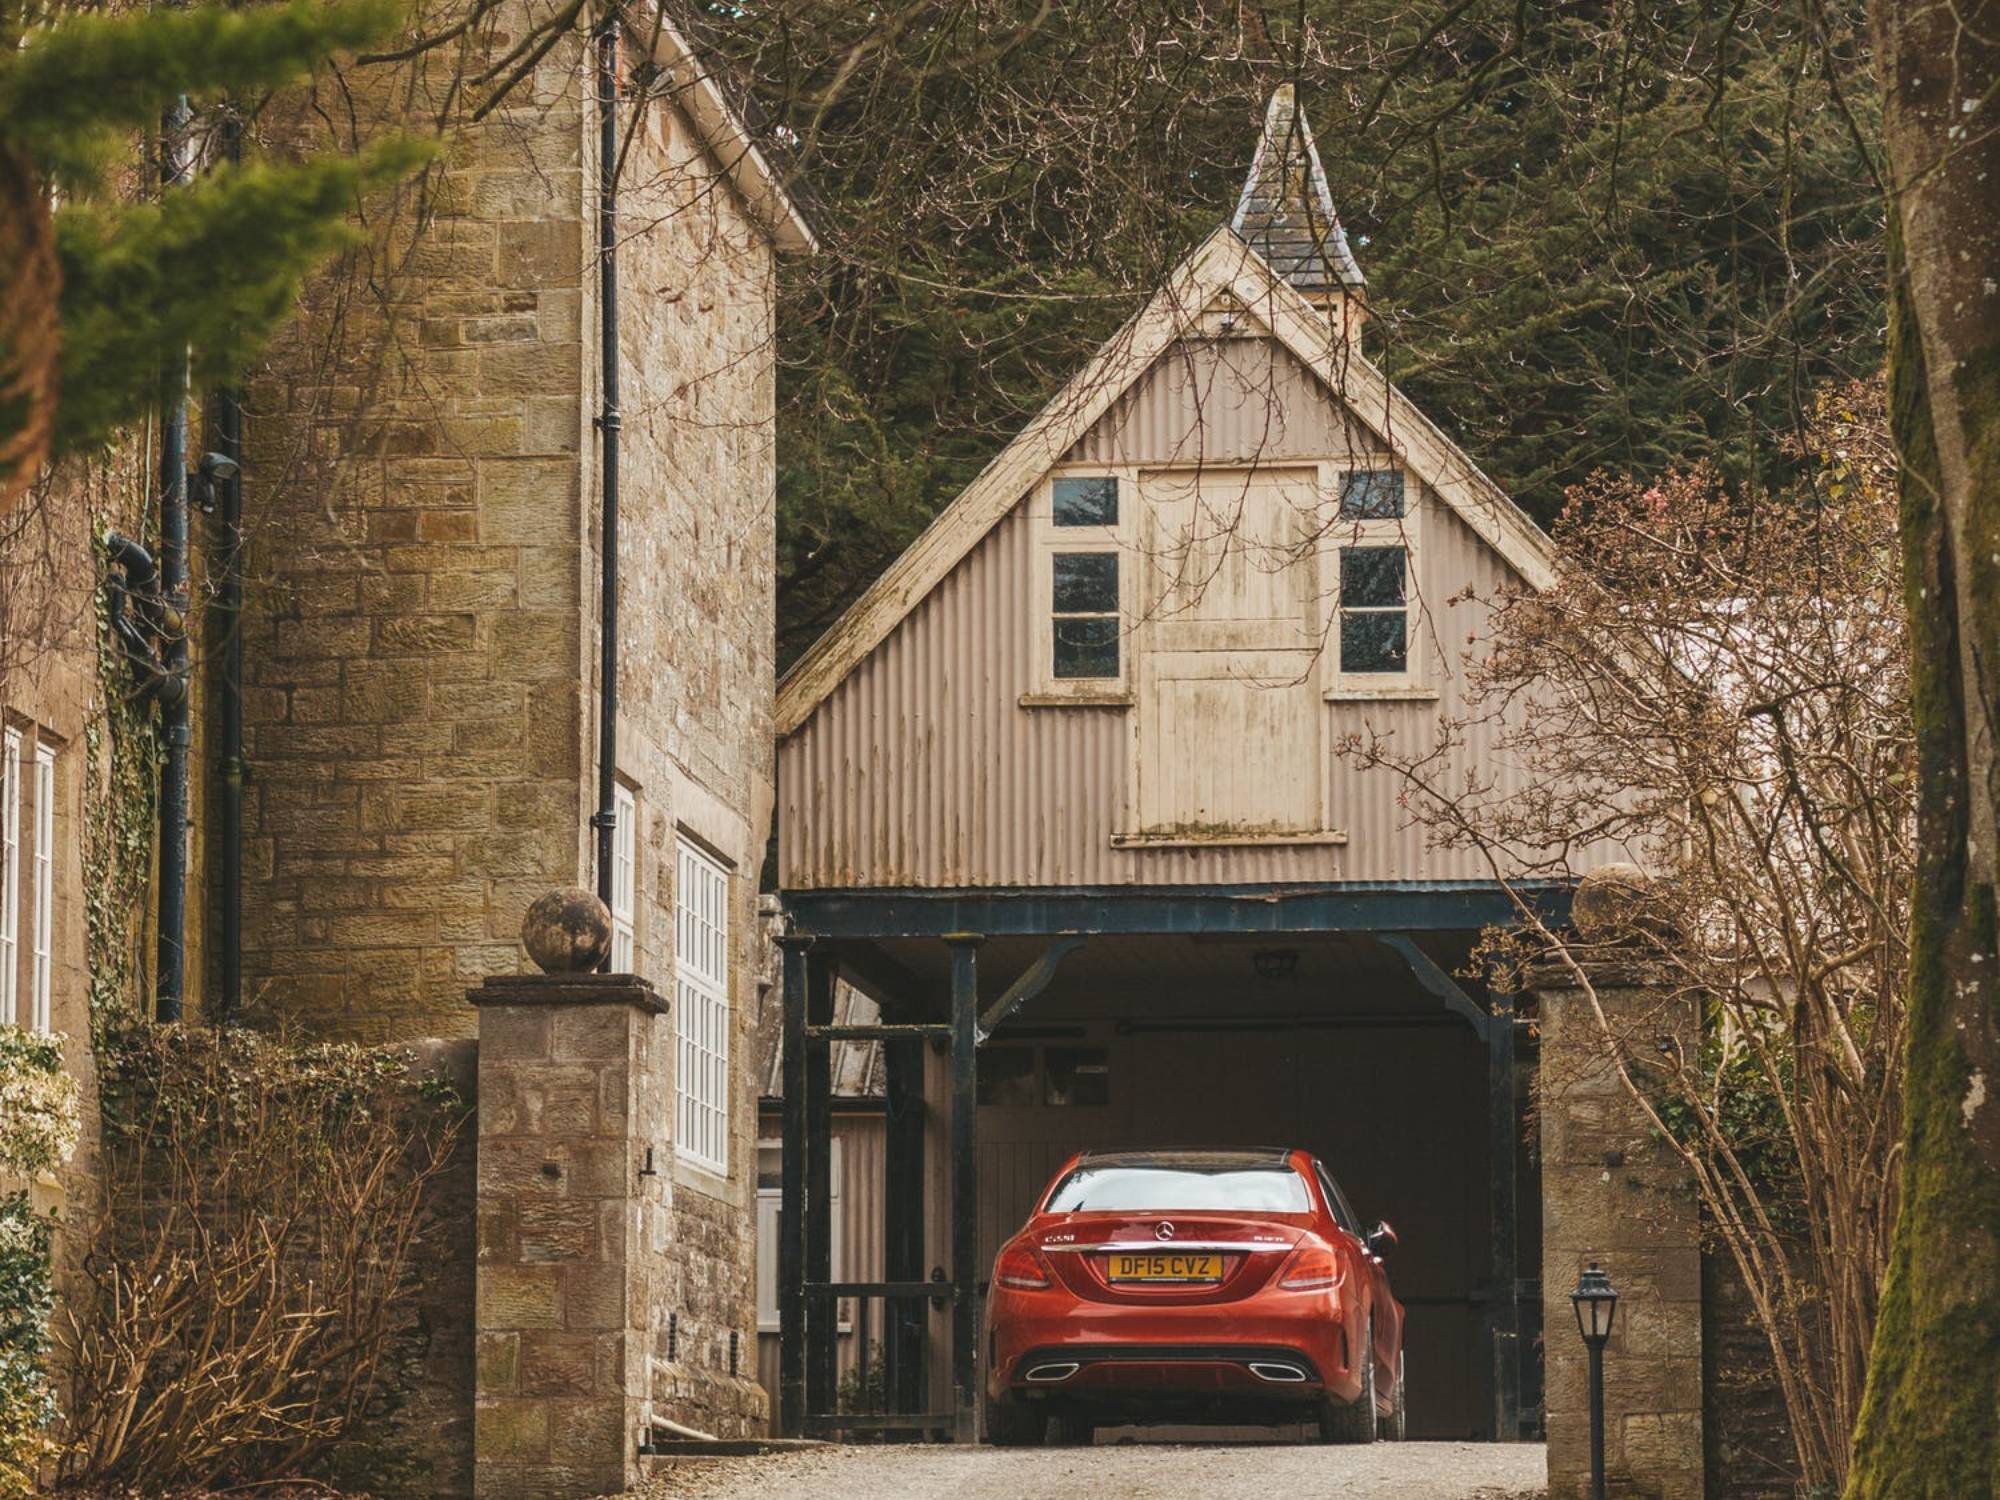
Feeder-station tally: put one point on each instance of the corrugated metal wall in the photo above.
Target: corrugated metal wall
(922, 769)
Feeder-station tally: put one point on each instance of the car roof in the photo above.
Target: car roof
(1193, 1160)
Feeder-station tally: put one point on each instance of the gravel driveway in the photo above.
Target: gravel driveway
(1117, 1471)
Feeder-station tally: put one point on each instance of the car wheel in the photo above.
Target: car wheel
(1072, 1431)
(1016, 1424)
(1353, 1421)
(1396, 1426)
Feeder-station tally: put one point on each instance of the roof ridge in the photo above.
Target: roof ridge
(1285, 211)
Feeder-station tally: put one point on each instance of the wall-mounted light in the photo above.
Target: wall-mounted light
(1275, 963)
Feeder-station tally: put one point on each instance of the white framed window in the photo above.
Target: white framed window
(701, 1007)
(1083, 642)
(42, 969)
(10, 874)
(624, 879)
(1376, 644)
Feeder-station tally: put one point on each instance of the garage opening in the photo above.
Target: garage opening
(1372, 1050)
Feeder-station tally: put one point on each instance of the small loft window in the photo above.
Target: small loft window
(1372, 495)
(1085, 609)
(624, 879)
(1373, 610)
(1087, 502)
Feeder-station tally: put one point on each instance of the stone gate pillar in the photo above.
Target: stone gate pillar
(572, 1074)
(1614, 1194)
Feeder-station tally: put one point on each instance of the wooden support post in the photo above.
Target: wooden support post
(791, 1199)
(1504, 1309)
(964, 1184)
(903, 1219)
(822, 1313)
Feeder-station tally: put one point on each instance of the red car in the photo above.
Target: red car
(1193, 1286)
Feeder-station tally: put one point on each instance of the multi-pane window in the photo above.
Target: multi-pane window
(1374, 609)
(10, 874)
(1084, 605)
(624, 879)
(701, 1007)
(41, 971)
(1372, 495)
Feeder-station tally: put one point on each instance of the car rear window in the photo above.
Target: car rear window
(1275, 1189)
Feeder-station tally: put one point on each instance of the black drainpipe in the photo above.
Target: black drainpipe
(171, 968)
(229, 443)
(607, 426)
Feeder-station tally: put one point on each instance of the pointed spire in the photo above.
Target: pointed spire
(1286, 212)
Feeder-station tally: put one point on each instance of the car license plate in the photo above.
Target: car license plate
(1149, 1267)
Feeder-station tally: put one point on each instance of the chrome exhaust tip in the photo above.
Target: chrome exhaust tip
(1277, 1374)
(1044, 1374)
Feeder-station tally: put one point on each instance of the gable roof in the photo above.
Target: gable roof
(728, 138)
(1286, 212)
(1222, 266)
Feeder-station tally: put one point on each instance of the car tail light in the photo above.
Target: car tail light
(1311, 1266)
(1020, 1267)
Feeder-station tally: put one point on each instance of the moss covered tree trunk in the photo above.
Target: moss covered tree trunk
(1930, 1422)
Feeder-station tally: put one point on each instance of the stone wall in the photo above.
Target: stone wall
(1613, 1194)
(1746, 1428)
(698, 539)
(572, 1238)
(415, 622)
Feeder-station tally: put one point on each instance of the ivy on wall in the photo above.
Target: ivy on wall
(38, 1131)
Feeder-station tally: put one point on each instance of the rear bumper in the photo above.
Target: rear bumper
(1291, 1352)
(1274, 1372)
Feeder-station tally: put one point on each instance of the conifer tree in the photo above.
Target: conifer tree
(103, 291)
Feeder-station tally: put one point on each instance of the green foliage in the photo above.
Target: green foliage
(73, 94)
(1743, 1108)
(38, 1109)
(213, 269)
(121, 763)
(27, 1299)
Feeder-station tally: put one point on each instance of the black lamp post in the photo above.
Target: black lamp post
(1596, 1304)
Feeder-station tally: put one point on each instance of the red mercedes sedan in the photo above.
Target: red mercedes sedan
(1193, 1286)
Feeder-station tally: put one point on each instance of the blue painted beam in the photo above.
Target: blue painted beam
(1048, 911)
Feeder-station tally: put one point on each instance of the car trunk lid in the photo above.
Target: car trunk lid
(1167, 1260)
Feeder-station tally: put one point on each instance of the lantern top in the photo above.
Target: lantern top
(1596, 1304)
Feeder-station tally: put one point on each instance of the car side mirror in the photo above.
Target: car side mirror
(1381, 1240)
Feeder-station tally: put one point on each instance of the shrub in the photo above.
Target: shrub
(253, 1276)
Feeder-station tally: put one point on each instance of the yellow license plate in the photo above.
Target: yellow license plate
(1151, 1267)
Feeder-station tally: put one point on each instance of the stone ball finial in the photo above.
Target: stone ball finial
(1610, 901)
(567, 931)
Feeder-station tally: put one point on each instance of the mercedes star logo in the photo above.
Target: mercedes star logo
(1164, 1230)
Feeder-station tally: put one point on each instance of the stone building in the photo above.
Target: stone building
(421, 644)
(423, 571)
